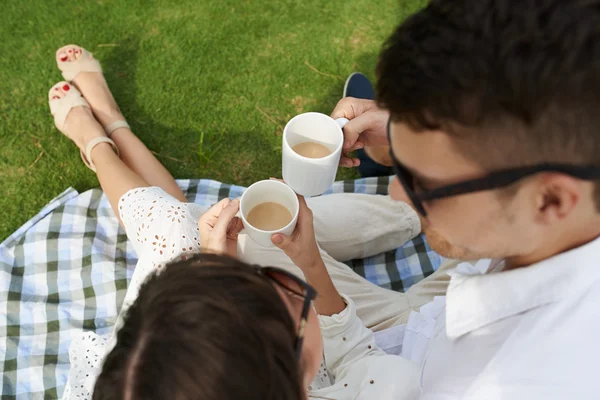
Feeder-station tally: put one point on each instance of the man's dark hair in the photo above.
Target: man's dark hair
(207, 328)
(516, 82)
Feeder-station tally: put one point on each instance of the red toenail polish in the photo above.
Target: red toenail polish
(54, 97)
(55, 88)
(70, 51)
(66, 88)
(64, 58)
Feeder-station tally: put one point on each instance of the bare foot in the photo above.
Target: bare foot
(80, 126)
(93, 87)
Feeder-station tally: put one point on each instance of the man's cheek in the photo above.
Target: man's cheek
(437, 242)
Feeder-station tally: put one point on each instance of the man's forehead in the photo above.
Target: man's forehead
(433, 154)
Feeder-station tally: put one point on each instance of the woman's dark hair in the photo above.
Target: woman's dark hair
(516, 81)
(206, 328)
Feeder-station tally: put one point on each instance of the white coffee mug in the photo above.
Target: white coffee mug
(312, 176)
(263, 192)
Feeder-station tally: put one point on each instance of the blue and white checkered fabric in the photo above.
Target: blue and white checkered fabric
(67, 270)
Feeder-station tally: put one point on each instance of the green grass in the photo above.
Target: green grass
(206, 84)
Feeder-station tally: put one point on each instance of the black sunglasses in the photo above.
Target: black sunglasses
(495, 180)
(294, 286)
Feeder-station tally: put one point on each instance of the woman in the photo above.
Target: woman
(212, 327)
(164, 228)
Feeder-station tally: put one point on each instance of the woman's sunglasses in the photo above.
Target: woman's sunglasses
(295, 287)
(495, 180)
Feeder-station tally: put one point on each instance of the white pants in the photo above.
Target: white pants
(350, 226)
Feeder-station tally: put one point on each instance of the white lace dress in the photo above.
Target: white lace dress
(162, 229)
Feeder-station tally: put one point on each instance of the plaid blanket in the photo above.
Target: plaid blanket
(67, 270)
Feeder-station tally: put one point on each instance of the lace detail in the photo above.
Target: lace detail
(323, 378)
(157, 222)
(162, 229)
(85, 354)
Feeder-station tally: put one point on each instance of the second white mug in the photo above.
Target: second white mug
(312, 176)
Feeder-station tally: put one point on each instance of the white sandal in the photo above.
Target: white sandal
(60, 108)
(85, 63)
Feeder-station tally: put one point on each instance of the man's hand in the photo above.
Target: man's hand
(219, 228)
(367, 126)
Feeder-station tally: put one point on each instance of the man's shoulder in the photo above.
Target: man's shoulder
(557, 340)
(551, 353)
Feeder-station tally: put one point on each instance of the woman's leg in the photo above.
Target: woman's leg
(140, 159)
(134, 153)
(115, 177)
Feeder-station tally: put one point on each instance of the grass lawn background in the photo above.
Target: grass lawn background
(206, 84)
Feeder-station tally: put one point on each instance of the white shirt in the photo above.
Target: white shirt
(528, 333)
(360, 369)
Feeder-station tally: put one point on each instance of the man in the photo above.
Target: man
(494, 109)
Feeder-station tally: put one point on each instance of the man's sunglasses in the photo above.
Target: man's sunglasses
(295, 287)
(494, 180)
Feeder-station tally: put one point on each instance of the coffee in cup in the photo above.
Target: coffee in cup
(311, 151)
(268, 207)
(269, 216)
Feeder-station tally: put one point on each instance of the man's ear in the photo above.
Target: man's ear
(557, 197)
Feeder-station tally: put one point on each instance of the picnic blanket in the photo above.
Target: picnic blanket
(67, 270)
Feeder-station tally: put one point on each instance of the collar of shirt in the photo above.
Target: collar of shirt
(479, 295)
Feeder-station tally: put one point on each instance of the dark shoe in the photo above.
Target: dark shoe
(359, 86)
(368, 167)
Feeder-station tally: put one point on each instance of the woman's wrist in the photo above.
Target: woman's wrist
(330, 304)
(311, 263)
(328, 301)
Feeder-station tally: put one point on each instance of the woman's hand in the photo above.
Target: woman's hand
(219, 228)
(303, 250)
(301, 247)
